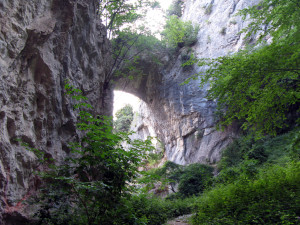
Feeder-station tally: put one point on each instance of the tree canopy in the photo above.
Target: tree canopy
(118, 13)
(124, 117)
(259, 85)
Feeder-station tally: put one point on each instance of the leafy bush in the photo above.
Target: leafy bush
(272, 198)
(194, 179)
(185, 57)
(295, 147)
(155, 158)
(152, 210)
(191, 179)
(246, 155)
(235, 152)
(124, 118)
(143, 209)
(169, 173)
(179, 33)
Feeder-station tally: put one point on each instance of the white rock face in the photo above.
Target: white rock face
(42, 44)
(181, 115)
(219, 25)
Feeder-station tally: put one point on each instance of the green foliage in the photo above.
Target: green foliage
(154, 158)
(130, 43)
(295, 147)
(179, 33)
(232, 22)
(152, 210)
(280, 19)
(191, 179)
(124, 118)
(194, 179)
(169, 173)
(259, 86)
(117, 13)
(245, 156)
(185, 57)
(271, 198)
(236, 152)
(175, 8)
(94, 179)
(129, 49)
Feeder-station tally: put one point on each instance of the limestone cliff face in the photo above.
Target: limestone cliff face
(42, 44)
(181, 115)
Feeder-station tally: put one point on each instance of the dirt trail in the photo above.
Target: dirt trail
(182, 220)
(176, 223)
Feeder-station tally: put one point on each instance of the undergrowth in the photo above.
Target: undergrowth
(258, 182)
(271, 198)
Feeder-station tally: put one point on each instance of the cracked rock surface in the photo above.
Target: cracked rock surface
(42, 44)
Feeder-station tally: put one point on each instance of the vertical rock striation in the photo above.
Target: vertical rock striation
(42, 44)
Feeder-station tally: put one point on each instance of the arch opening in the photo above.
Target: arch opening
(121, 99)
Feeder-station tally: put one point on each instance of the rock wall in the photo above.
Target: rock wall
(42, 44)
(181, 115)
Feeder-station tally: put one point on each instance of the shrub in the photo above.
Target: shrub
(169, 173)
(146, 209)
(235, 152)
(178, 207)
(179, 33)
(246, 155)
(185, 57)
(194, 179)
(191, 179)
(153, 210)
(257, 153)
(272, 198)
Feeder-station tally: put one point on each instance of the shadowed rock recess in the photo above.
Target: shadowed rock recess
(42, 44)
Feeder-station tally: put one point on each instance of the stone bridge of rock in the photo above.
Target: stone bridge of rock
(179, 115)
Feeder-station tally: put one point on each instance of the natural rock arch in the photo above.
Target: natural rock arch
(180, 115)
